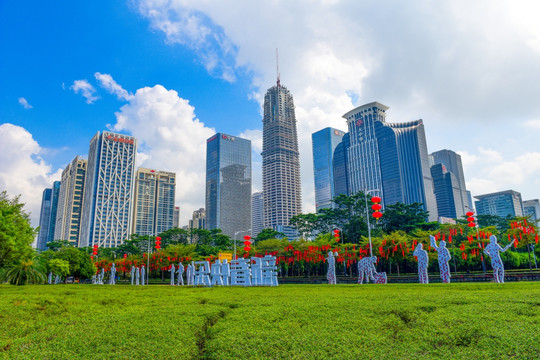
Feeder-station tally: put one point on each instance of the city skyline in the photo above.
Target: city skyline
(470, 71)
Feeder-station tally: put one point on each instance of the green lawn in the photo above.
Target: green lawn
(394, 321)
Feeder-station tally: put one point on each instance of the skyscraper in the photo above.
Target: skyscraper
(363, 156)
(502, 203)
(197, 221)
(176, 217)
(452, 162)
(389, 159)
(70, 200)
(532, 208)
(324, 144)
(404, 164)
(108, 199)
(341, 167)
(228, 183)
(47, 216)
(257, 213)
(153, 201)
(281, 161)
(447, 192)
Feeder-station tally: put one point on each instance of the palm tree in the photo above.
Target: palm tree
(23, 272)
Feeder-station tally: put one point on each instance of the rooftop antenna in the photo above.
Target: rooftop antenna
(277, 67)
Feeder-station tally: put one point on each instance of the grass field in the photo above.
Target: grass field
(394, 321)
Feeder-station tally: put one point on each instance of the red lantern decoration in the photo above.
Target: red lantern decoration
(158, 243)
(376, 199)
(377, 215)
(469, 214)
(95, 251)
(336, 234)
(376, 207)
(470, 219)
(247, 248)
(247, 237)
(125, 256)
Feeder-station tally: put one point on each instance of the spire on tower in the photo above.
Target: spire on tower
(277, 67)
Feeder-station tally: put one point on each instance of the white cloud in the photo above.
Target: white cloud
(86, 89)
(23, 170)
(533, 124)
(107, 82)
(25, 103)
(170, 138)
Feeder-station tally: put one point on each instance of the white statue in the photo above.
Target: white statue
(331, 273)
(179, 273)
(188, 275)
(101, 276)
(366, 269)
(226, 272)
(137, 276)
(112, 278)
(57, 279)
(422, 257)
(143, 273)
(493, 250)
(132, 274)
(172, 270)
(49, 279)
(444, 258)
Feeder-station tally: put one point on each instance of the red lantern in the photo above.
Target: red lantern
(469, 214)
(471, 224)
(376, 199)
(377, 215)
(247, 242)
(125, 256)
(247, 248)
(158, 242)
(95, 251)
(247, 237)
(376, 207)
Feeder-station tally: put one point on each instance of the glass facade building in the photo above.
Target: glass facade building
(532, 208)
(154, 201)
(453, 164)
(108, 199)
(324, 143)
(228, 183)
(341, 167)
(257, 213)
(281, 161)
(503, 204)
(47, 216)
(447, 192)
(68, 219)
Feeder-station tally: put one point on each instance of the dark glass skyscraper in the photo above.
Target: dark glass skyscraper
(452, 163)
(228, 184)
(502, 203)
(47, 216)
(324, 144)
(341, 166)
(447, 192)
(281, 161)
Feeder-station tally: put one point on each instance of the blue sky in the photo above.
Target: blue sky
(172, 73)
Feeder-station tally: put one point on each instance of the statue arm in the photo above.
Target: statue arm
(508, 246)
(433, 242)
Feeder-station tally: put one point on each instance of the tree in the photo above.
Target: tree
(174, 236)
(79, 261)
(56, 245)
(266, 234)
(16, 233)
(59, 267)
(404, 217)
(23, 272)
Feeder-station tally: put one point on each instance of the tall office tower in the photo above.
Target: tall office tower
(363, 155)
(228, 184)
(502, 203)
(153, 201)
(198, 221)
(452, 162)
(257, 213)
(176, 217)
(108, 199)
(324, 143)
(47, 216)
(68, 219)
(54, 209)
(281, 161)
(341, 166)
(404, 165)
(532, 208)
(447, 192)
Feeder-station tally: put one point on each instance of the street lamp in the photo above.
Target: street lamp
(236, 233)
(367, 218)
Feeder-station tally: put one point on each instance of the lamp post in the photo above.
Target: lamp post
(367, 218)
(236, 233)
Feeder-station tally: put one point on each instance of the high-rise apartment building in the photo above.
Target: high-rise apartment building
(447, 192)
(176, 217)
(70, 200)
(502, 203)
(108, 199)
(453, 164)
(198, 221)
(341, 167)
(389, 159)
(153, 201)
(257, 213)
(228, 183)
(47, 216)
(281, 161)
(324, 144)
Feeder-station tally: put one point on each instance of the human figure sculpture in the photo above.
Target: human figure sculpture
(94, 279)
(137, 276)
(112, 278)
(57, 279)
(49, 279)
(226, 272)
(188, 275)
(132, 274)
(331, 273)
(143, 273)
(493, 250)
(422, 257)
(179, 273)
(366, 269)
(444, 258)
(172, 270)
(101, 276)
